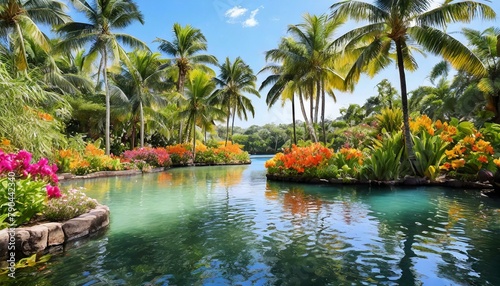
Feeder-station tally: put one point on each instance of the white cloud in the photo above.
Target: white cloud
(251, 21)
(235, 12)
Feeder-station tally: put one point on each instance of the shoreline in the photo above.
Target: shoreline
(409, 181)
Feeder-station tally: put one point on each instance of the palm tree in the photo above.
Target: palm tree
(291, 79)
(185, 48)
(199, 110)
(60, 72)
(282, 83)
(320, 60)
(19, 18)
(311, 57)
(439, 101)
(394, 25)
(235, 79)
(485, 45)
(386, 98)
(146, 81)
(104, 17)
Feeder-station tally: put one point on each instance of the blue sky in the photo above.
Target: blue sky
(249, 28)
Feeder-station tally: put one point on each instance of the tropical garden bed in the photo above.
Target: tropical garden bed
(451, 154)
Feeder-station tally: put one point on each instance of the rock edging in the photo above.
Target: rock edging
(70, 176)
(41, 237)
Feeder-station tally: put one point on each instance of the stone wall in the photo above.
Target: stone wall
(41, 237)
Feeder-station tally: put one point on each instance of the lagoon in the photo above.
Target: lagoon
(228, 225)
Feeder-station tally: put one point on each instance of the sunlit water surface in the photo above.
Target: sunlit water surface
(228, 226)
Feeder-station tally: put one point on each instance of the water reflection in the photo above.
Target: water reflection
(228, 226)
(295, 200)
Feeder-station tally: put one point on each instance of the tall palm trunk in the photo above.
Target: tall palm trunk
(404, 102)
(180, 89)
(194, 140)
(311, 106)
(133, 135)
(323, 103)
(227, 122)
(308, 124)
(232, 125)
(318, 97)
(108, 107)
(141, 111)
(293, 119)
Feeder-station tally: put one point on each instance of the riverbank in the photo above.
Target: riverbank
(104, 174)
(408, 181)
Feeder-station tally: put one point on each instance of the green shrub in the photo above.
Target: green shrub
(390, 120)
(430, 153)
(29, 199)
(384, 163)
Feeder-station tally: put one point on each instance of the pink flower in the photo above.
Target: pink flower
(53, 191)
(25, 157)
(6, 163)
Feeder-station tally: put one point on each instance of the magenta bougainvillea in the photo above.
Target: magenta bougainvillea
(20, 164)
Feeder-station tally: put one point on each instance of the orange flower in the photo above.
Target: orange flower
(300, 158)
(438, 124)
(452, 130)
(423, 123)
(92, 150)
(483, 159)
(469, 140)
(488, 149)
(446, 166)
(45, 116)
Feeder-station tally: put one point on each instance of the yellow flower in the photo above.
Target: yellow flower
(469, 140)
(5, 142)
(450, 154)
(270, 164)
(497, 162)
(455, 164)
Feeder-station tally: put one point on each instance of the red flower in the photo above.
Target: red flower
(483, 159)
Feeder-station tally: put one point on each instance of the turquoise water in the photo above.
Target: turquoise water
(229, 226)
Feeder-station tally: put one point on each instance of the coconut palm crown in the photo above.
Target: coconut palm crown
(395, 26)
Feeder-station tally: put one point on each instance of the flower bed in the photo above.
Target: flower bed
(223, 154)
(89, 159)
(450, 154)
(32, 207)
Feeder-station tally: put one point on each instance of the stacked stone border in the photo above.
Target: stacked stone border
(42, 237)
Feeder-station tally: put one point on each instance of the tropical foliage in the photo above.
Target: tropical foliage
(392, 26)
(443, 150)
(60, 97)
